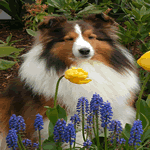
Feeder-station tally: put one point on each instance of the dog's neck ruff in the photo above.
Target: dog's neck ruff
(110, 84)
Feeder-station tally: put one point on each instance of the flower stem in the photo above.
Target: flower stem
(19, 145)
(83, 126)
(140, 95)
(39, 140)
(70, 147)
(75, 138)
(94, 127)
(98, 144)
(105, 133)
(20, 141)
(56, 91)
(143, 145)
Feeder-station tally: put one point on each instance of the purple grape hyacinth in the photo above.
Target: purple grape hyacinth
(87, 143)
(135, 133)
(59, 130)
(12, 139)
(83, 104)
(95, 103)
(121, 141)
(75, 119)
(70, 134)
(106, 114)
(17, 122)
(13, 122)
(116, 128)
(38, 123)
(115, 125)
(26, 142)
(36, 145)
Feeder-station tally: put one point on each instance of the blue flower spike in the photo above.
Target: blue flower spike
(83, 105)
(87, 143)
(38, 123)
(70, 133)
(59, 130)
(95, 103)
(135, 133)
(17, 122)
(36, 145)
(20, 124)
(75, 119)
(116, 128)
(13, 122)
(106, 114)
(12, 139)
(26, 142)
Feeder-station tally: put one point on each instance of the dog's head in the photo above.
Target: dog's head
(69, 42)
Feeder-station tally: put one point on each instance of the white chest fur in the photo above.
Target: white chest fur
(106, 82)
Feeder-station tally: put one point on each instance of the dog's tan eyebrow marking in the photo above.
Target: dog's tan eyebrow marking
(88, 32)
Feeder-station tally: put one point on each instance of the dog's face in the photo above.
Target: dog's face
(69, 42)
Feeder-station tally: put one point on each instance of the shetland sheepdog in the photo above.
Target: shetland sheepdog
(91, 44)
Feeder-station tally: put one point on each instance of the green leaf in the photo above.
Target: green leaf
(145, 17)
(1, 45)
(148, 100)
(52, 114)
(14, 41)
(31, 32)
(49, 145)
(128, 11)
(146, 135)
(50, 128)
(2, 42)
(8, 39)
(4, 4)
(5, 64)
(143, 10)
(7, 50)
(145, 109)
(138, 5)
(128, 24)
(126, 131)
(136, 14)
(61, 113)
(147, 122)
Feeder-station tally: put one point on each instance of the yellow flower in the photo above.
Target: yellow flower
(77, 76)
(144, 61)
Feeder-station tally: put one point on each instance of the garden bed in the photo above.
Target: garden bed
(7, 27)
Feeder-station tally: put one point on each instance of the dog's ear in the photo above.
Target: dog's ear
(99, 20)
(50, 22)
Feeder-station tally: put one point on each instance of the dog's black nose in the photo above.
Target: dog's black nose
(84, 51)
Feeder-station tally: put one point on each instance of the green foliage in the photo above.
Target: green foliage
(35, 14)
(138, 25)
(53, 114)
(13, 8)
(8, 43)
(145, 118)
(31, 32)
(72, 9)
(7, 50)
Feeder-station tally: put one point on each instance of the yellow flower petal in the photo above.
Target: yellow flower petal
(77, 76)
(144, 61)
